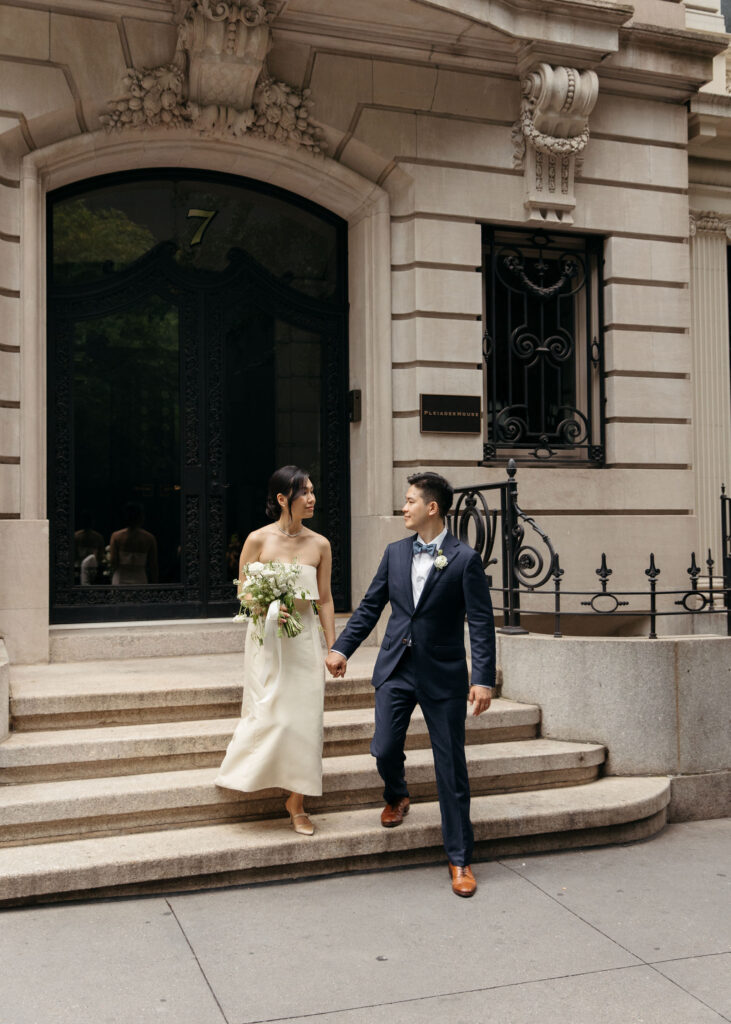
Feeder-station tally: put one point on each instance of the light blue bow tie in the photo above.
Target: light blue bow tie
(421, 548)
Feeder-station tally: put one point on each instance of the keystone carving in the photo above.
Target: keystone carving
(217, 82)
(550, 136)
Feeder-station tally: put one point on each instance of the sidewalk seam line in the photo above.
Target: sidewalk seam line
(646, 963)
(447, 995)
(195, 957)
(691, 956)
(691, 994)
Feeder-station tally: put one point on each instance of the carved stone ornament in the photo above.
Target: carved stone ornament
(550, 135)
(708, 220)
(217, 81)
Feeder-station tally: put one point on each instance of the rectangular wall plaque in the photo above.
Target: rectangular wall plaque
(450, 414)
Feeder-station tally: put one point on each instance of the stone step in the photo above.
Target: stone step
(90, 694)
(162, 746)
(153, 639)
(608, 810)
(65, 810)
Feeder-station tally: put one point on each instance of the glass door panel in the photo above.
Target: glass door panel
(197, 341)
(126, 446)
(272, 413)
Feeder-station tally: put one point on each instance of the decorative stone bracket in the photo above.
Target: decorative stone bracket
(549, 137)
(217, 82)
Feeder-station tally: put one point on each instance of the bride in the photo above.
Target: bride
(278, 741)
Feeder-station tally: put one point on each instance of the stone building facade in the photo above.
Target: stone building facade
(477, 161)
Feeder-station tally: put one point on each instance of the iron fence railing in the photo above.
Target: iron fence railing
(530, 566)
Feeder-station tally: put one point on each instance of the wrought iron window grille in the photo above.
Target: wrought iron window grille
(542, 347)
(531, 566)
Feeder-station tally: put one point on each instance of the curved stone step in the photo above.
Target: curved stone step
(133, 749)
(92, 694)
(608, 810)
(66, 810)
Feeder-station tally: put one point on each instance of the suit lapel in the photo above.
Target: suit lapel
(404, 569)
(449, 545)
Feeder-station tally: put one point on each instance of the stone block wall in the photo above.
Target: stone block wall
(660, 707)
(421, 104)
(445, 175)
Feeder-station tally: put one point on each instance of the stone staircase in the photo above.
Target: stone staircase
(106, 781)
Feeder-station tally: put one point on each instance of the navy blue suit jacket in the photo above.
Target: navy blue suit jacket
(434, 629)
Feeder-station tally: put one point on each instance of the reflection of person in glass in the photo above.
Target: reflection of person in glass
(87, 541)
(133, 551)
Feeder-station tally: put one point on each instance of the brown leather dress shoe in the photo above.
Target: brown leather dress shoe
(463, 881)
(393, 814)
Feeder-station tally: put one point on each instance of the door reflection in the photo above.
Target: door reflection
(126, 419)
(273, 417)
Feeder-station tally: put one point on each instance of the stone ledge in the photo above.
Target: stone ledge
(69, 810)
(698, 797)
(160, 638)
(122, 691)
(135, 749)
(183, 858)
(659, 706)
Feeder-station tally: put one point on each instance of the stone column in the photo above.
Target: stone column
(711, 380)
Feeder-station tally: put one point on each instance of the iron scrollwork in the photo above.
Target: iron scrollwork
(529, 564)
(542, 347)
(531, 568)
(472, 511)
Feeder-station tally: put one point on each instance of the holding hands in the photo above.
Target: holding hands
(336, 664)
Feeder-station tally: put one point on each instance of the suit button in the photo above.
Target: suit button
(405, 640)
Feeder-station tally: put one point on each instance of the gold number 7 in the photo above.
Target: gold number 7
(207, 216)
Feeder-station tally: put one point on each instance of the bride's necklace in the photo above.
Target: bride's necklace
(287, 533)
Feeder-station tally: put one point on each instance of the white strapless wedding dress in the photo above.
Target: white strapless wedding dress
(278, 741)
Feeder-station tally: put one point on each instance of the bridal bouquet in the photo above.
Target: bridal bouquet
(264, 583)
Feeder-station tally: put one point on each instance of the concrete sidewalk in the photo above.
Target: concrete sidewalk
(637, 934)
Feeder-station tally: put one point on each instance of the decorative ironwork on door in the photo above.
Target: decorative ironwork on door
(542, 347)
(191, 351)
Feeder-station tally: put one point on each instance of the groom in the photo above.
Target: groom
(432, 581)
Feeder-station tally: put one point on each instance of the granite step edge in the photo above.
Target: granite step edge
(29, 802)
(90, 864)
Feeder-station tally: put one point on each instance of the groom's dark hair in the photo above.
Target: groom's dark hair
(434, 487)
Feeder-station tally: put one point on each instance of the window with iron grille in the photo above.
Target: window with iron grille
(542, 347)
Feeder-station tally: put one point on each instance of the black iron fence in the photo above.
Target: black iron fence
(489, 518)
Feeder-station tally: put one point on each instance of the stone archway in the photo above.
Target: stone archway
(362, 204)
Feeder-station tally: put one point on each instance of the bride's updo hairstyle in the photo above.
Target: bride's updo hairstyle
(289, 480)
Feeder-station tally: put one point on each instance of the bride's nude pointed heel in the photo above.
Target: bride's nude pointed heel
(300, 823)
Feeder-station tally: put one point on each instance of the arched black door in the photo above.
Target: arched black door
(197, 340)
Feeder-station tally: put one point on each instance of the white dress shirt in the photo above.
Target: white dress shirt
(421, 565)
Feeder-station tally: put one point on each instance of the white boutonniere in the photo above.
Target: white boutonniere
(440, 562)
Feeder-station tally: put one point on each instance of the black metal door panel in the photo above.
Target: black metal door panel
(183, 388)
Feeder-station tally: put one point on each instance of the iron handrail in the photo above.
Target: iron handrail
(526, 569)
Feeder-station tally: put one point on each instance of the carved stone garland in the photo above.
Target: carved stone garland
(549, 137)
(217, 82)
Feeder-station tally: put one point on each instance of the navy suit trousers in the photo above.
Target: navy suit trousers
(396, 699)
